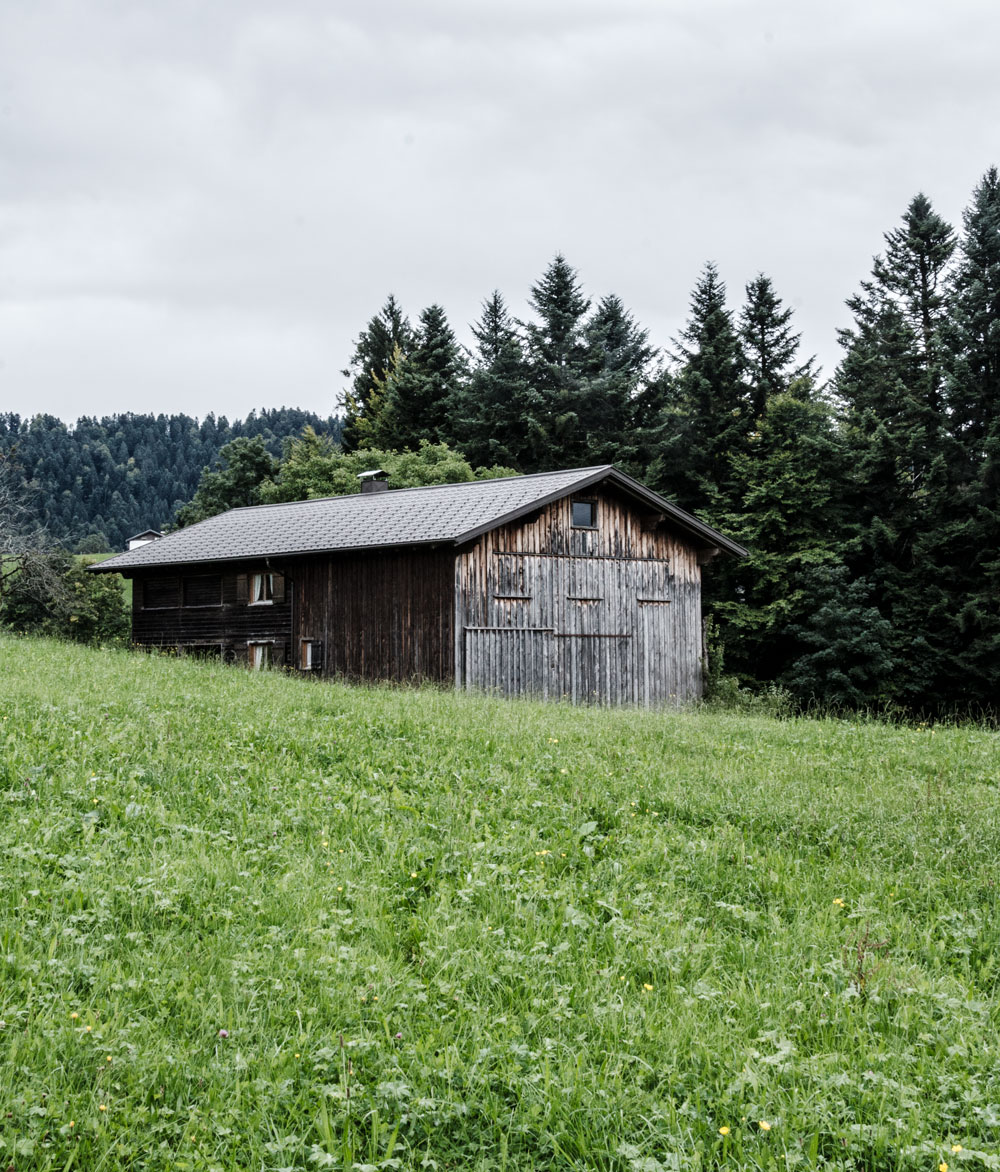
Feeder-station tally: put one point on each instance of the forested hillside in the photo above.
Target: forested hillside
(98, 481)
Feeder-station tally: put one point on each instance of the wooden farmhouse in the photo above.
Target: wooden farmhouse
(581, 584)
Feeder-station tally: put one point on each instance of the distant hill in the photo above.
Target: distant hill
(98, 481)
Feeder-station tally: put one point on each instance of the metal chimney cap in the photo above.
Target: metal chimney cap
(373, 474)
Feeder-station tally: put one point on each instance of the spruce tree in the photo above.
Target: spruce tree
(769, 346)
(422, 386)
(387, 333)
(902, 454)
(496, 415)
(972, 535)
(617, 362)
(707, 415)
(557, 357)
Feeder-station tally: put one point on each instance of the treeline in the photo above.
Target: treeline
(869, 503)
(99, 481)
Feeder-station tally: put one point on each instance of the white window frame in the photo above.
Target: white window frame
(262, 589)
(259, 655)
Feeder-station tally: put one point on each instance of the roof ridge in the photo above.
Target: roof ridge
(345, 496)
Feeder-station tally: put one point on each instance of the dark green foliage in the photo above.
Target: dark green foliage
(233, 483)
(496, 416)
(415, 401)
(849, 661)
(618, 358)
(558, 364)
(770, 349)
(121, 474)
(793, 518)
(388, 335)
(707, 417)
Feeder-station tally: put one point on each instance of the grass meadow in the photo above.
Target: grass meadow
(259, 922)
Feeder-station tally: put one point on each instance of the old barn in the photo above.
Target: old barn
(581, 584)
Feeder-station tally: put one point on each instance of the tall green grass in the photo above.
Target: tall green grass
(250, 921)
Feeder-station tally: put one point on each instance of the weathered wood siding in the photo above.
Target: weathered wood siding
(379, 616)
(606, 615)
(176, 610)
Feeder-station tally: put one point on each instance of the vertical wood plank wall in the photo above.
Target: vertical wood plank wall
(380, 615)
(610, 615)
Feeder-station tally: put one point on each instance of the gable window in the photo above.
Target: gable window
(584, 514)
(259, 656)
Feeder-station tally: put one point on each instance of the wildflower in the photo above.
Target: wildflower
(72, 1123)
(340, 889)
(298, 1055)
(73, 1016)
(326, 843)
(838, 903)
(942, 1167)
(109, 1057)
(399, 1036)
(223, 1033)
(413, 874)
(101, 1107)
(765, 1126)
(956, 1147)
(723, 1131)
(564, 771)
(647, 987)
(86, 1029)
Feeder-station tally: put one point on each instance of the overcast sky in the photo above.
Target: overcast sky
(202, 202)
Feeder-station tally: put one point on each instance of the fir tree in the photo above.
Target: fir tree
(557, 357)
(707, 416)
(496, 415)
(422, 386)
(387, 334)
(617, 362)
(769, 346)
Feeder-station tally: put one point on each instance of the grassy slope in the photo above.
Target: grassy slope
(521, 935)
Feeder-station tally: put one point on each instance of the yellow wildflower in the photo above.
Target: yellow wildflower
(723, 1131)
(101, 1107)
(765, 1126)
(74, 1016)
(942, 1167)
(956, 1147)
(647, 987)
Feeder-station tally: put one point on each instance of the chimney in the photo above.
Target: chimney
(374, 481)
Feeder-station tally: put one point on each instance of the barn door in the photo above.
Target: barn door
(512, 661)
(594, 630)
(657, 653)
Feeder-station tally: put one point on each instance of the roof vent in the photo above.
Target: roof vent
(374, 481)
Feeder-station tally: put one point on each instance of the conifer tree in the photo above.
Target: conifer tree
(769, 346)
(557, 356)
(422, 387)
(496, 415)
(617, 361)
(972, 536)
(387, 334)
(707, 416)
(902, 454)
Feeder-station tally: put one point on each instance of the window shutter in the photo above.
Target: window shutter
(242, 588)
(278, 587)
(317, 655)
(277, 654)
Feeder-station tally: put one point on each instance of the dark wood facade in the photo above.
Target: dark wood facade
(607, 611)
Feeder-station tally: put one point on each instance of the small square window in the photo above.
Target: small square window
(306, 655)
(585, 514)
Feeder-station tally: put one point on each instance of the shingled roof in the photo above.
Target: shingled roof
(440, 514)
